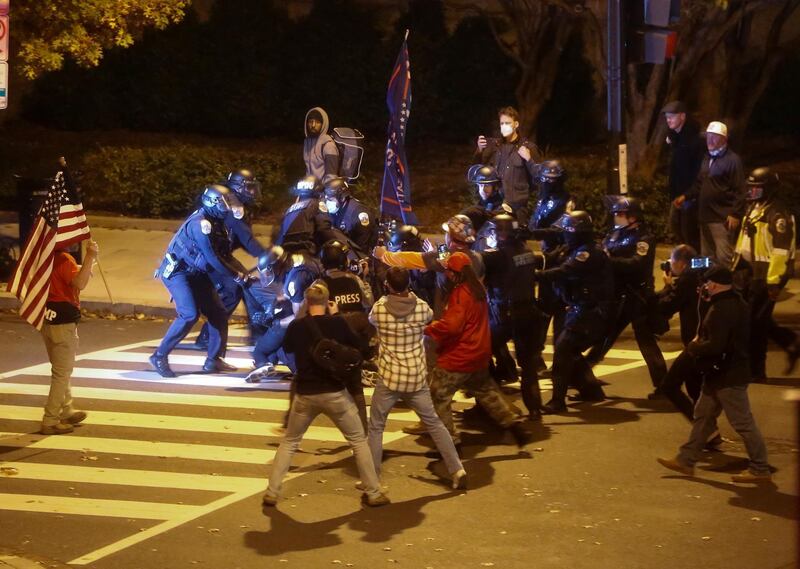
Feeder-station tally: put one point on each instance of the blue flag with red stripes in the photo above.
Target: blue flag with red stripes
(396, 187)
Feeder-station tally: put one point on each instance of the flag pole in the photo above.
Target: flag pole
(102, 273)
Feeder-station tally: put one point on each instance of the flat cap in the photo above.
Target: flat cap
(674, 107)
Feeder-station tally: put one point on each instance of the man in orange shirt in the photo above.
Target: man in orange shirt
(464, 348)
(60, 333)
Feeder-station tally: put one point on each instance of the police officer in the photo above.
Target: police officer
(490, 201)
(510, 283)
(284, 277)
(350, 216)
(632, 249)
(552, 202)
(408, 238)
(306, 224)
(239, 224)
(765, 251)
(584, 281)
(192, 253)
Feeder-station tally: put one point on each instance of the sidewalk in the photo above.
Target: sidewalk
(131, 250)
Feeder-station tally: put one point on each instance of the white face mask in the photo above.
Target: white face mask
(485, 195)
(491, 240)
(506, 129)
(332, 205)
(238, 211)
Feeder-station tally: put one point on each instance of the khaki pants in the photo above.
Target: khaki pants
(61, 341)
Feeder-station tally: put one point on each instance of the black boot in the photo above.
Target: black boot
(161, 365)
(217, 365)
(554, 407)
(522, 433)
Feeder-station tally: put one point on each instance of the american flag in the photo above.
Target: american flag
(60, 222)
(396, 187)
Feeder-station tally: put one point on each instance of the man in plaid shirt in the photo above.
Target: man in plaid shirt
(400, 318)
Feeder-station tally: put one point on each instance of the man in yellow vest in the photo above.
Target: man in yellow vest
(764, 253)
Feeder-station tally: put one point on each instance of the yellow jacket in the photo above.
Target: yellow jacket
(767, 241)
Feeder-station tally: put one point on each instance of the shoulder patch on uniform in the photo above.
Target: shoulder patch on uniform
(570, 207)
(299, 205)
(642, 247)
(322, 207)
(291, 288)
(363, 217)
(205, 226)
(582, 256)
(506, 208)
(780, 225)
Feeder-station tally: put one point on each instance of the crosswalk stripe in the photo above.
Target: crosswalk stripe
(174, 359)
(222, 401)
(95, 507)
(182, 423)
(132, 447)
(129, 477)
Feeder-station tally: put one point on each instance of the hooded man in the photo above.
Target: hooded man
(319, 150)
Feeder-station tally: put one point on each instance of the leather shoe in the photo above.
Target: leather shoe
(269, 500)
(75, 418)
(161, 365)
(375, 500)
(522, 434)
(674, 464)
(747, 476)
(57, 429)
(217, 365)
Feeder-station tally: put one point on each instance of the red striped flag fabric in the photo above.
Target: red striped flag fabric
(60, 222)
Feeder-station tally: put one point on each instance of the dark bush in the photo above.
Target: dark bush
(164, 181)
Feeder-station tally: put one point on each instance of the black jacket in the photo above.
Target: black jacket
(724, 334)
(681, 298)
(720, 187)
(516, 174)
(688, 149)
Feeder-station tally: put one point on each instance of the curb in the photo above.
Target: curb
(8, 302)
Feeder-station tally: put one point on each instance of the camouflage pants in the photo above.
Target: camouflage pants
(445, 383)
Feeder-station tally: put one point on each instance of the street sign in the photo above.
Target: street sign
(3, 84)
(3, 38)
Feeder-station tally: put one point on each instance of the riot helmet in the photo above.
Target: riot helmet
(485, 178)
(268, 264)
(761, 184)
(623, 208)
(404, 238)
(500, 229)
(334, 255)
(217, 200)
(577, 227)
(336, 190)
(459, 229)
(551, 176)
(245, 185)
(308, 187)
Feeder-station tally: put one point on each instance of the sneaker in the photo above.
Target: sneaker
(375, 500)
(161, 365)
(269, 500)
(217, 365)
(714, 442)
(75, 418)
(748, 476)
(417, 428)
(460, 480)
(522, 434)
(57, 429)
(677, 466)
(260, 373)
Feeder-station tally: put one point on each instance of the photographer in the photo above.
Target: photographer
(721, 361)
(679, 295)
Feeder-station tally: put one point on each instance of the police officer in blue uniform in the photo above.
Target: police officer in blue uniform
(306, 224)
(513, 315)
(350, 216)
(408, 238)
(632, 249)
(490, 201)
(193, 252)
(238, 221)
(584, 282)
(552, 202)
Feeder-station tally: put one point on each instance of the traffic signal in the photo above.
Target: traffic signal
(648, 37)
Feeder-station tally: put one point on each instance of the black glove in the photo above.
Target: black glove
(263, 319)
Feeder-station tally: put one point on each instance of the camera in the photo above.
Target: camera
(666, 267)
(443, 252)
(701, 263)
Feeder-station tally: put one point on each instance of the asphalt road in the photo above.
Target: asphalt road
(169, 474)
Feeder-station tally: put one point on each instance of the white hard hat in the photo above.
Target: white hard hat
(717, 127)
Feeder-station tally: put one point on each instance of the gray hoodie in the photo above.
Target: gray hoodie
(400, 306)
(319, 152)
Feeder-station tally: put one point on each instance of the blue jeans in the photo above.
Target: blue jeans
(736, 404)
(383, 399)
(340, 408)
(194, 294)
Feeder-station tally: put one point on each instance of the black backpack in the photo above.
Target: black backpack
(351, 151)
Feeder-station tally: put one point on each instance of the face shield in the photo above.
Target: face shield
(485, 191)
(755, 193)
(491, 239)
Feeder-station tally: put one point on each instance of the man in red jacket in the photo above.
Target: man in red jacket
(463, 352)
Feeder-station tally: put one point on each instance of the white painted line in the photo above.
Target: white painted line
(95, 507)
(129, 477)
(182, 359)
(132, 447)
(182, 423)
(167, 398)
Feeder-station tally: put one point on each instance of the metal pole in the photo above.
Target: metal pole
(614, 70)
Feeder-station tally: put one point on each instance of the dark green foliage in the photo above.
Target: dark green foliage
(165, 181)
